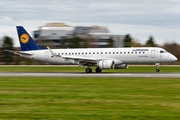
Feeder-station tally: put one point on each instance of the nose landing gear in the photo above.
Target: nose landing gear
(157, 67)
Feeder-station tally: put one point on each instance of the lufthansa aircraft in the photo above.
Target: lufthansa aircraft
(102, 58)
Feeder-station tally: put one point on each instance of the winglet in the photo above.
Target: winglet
(52, 53)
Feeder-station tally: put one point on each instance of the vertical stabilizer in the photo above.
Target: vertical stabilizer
(26, 41)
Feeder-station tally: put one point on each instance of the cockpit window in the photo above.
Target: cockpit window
(163, 51)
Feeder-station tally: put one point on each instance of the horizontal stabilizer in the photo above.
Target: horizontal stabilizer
(25, 53)
(19, 52)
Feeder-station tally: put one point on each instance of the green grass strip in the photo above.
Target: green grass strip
(89, 98)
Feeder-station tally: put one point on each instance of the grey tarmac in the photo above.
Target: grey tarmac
(97, 75)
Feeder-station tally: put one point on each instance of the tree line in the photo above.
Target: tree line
(78, 42)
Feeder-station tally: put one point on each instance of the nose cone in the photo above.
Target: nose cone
(173, 58)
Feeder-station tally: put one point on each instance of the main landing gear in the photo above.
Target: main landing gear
(98, 70)
(157, 67)
(89, 70)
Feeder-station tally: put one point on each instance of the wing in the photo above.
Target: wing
(90, 60)
(80, 59)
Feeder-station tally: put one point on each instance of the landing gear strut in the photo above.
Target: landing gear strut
(98, 70)
(157, 67)
(88, 70)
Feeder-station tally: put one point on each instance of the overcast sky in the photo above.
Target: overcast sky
(139, 18)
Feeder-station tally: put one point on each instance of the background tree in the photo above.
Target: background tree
(150, 42)
(173, 48)
(136, 44)
(63, 42)
(110, 42)
(127, 41)
(73, 42)
(7, 57)
(76, 42)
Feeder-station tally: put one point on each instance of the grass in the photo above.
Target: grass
(89, 98)
(57, 68)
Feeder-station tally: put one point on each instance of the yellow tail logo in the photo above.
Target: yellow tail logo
(24, 38)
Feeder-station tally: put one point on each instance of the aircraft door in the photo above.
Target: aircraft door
(46, 55)
(152, 53)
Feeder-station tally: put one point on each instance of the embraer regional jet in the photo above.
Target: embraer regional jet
(102, 58)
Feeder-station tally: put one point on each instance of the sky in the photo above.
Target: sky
(139, 18)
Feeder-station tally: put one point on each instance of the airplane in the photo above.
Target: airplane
(102, 58)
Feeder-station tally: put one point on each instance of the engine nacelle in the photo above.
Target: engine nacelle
(121, 66)
(105, 64)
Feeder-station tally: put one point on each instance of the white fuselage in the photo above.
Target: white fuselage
(119, 55)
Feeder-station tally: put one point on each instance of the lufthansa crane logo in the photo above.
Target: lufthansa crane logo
(24, 38)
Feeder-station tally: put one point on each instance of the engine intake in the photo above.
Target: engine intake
(106, 64)
(121, 66)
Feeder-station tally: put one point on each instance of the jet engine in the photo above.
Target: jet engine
(105, 64)
(121, 66)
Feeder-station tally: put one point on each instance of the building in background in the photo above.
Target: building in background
(51, 33)
(97, 36)
(102, 40)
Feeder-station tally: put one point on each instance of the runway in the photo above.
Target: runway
(98, 75)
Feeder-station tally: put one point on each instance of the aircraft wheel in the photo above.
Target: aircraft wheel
(157, 70)
(98, 70)
(157, 67)
(88, 70)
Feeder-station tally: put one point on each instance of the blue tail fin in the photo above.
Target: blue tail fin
(26, 41)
